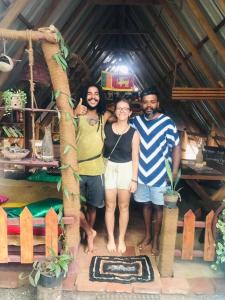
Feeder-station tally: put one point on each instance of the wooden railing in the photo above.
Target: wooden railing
(26, 222)
(189, 225)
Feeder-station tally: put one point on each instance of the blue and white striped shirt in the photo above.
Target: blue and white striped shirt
(157, 139)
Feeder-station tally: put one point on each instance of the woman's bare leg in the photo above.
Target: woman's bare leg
(123, 203)
(110, 207)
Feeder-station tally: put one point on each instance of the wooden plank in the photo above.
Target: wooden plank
(209, 243)
(198, 189)
(26, 236)
(198, 93)
(188, 235)
(12, 12)
(202, 20)
(202, 177)
(218, 195)
(3, 237)
(51, 232)
(41, 221)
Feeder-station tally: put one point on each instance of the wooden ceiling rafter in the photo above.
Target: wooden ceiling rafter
(88, 26)
(221, 4)
(190, 45)
(186, 70)
(74, 19)
(12, 13)
(124, 2)
(89, 36)
(197, 57)
(197, 12)
(162, 57)
(162, 83)
(181, 62)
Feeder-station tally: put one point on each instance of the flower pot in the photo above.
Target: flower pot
(16, 102)
(170, 201)
(50, 281)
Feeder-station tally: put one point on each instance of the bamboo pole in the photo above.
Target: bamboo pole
(43, 34)
(67, 137)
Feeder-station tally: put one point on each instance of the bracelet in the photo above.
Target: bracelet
(134, 180)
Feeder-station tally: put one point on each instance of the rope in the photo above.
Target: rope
(32, 86)
(176, 55)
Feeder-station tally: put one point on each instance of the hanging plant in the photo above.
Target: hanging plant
(6, 63)
(14, 99)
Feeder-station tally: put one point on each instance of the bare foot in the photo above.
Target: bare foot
(155, 248)
(144, 244)
(122, 247)
(155, 251)
(90, 241)
(111, 246)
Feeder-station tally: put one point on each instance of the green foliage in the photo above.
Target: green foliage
(52, 266)
(173, 183)
(61, 56)
(220, 244)
(7, 97)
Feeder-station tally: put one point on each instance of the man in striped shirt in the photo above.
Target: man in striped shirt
(159, 140)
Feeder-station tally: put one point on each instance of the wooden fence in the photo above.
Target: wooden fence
(26, 223)
(189, 225)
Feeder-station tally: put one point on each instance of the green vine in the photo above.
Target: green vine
(61, 56)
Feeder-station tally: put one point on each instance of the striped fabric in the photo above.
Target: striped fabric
(158, 137)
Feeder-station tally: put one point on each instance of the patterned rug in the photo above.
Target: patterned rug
(122, 269)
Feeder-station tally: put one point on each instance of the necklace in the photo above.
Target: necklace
(120, 131)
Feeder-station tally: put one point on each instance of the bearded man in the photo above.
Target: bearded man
(159, 140)
(90, 140)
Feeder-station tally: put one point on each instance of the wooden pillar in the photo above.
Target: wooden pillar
(184, 143)
(167, 241)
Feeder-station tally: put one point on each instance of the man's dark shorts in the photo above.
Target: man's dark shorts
(92, 188)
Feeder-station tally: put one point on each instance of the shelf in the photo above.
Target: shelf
(32, 109)
(30, 162)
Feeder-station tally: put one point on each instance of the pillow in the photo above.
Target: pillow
(43, 176)
(37, 209)
(3, 199)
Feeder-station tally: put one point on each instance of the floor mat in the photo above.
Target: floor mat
(122, 269)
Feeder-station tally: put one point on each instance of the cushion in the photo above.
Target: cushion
(43, 176)
(3, 199)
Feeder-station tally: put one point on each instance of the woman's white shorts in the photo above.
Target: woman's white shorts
(118, 175)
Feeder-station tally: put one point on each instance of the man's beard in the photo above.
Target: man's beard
(90, 107)
(151, 114)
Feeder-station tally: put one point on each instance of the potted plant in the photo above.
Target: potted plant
(171, 194)
(220, 243)
(49, 272)
(14, 99)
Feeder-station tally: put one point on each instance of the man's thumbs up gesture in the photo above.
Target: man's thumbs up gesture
(80, 109)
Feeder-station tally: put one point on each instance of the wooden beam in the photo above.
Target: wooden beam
(124, 2)
(116, 32)
(222, 4)
(24, 35)
(190, 46)
(12, 12)
(204, 23)
(198, 94)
